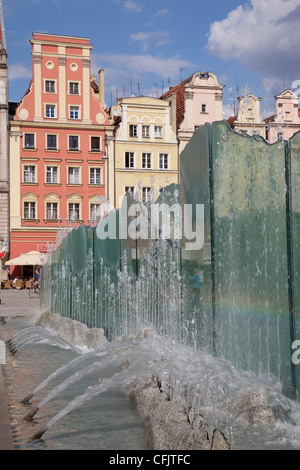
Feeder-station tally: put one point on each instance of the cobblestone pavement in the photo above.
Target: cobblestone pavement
(17, 302)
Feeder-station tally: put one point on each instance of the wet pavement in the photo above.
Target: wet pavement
(13, 303)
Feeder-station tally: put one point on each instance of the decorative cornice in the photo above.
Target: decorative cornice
(188, 95)
(218, 97)
(62, 61)
(37, 58)
(86, 62)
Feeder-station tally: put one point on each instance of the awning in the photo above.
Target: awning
(33, 258)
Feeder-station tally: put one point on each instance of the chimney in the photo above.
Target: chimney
(101, 88)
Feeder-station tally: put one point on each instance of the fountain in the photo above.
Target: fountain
(225, 315)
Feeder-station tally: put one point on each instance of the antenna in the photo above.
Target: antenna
(180, 71)
(156, 88)
(139, 89)
(162, 87)
(131, 85)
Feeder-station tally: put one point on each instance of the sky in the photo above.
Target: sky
(145, 46)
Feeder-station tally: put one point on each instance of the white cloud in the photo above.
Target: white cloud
(133, 6)
(141, 69)
(155, 38)
(260, 37)
(19, 71)
(143, 64)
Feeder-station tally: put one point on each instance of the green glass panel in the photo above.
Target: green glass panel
(295, 243)
(196, 264)
(250, 253)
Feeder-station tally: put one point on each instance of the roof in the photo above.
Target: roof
(180, 107)
(95, 86)
(231, 120)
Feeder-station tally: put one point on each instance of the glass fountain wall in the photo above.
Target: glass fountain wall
(238, 296)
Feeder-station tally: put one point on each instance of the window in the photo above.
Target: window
(158, 132)
(95, 212)
(74, 112)
(280, 136)
(50, 111)
(50, 86)
(29, 141)
(95, 175)
(51, 174)
(29, 210)
(74, 88)
(73, 142)
(203, 108)
(74, 211)
(74, 175)
(146, 131)
(51, 142)
(163, 161)
(146, 160)
(129, 189)
(29, 174)
(52, 210)
(133, 130)
(95, 144)
(129, 160)
(146, 195)
(288, 116)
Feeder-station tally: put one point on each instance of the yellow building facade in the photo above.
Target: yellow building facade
(145, 158)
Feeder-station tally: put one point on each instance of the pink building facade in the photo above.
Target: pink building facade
(57, 141)
(286, 120)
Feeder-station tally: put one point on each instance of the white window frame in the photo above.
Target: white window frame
(93, 137)
(34, 140)
(32, 206)
(46, 145)
(51, 172)
(48, 80)
(92, 170)
(34, 173)
(72, 109)
(57, 210)
(132, 155)
(79, 209)
(162, 156)
(147, 195)
(133, 127)
(74, 82)
(145, 131)
(52, 106)
(158, 132)
(98, 211)
(73, 149)
(70, 177)
(130, 189)
(146, 161)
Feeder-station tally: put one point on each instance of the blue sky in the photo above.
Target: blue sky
(145, 46)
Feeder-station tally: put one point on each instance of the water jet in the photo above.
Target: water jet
(27, 398)
(38, 434)
(29, 416)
